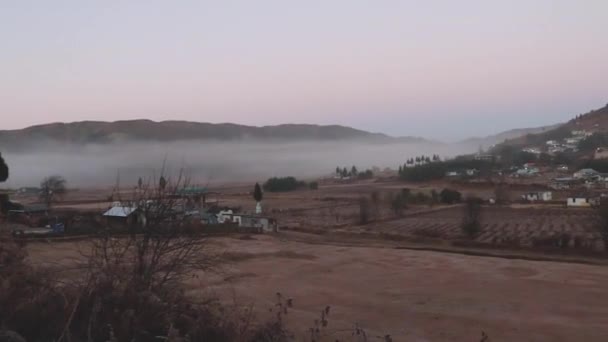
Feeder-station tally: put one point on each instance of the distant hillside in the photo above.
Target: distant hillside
(492, 140)
(97, 132)
(593, 121)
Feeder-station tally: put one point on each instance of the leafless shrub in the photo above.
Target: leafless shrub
(30, 303)
(425, 232)
(501, 194)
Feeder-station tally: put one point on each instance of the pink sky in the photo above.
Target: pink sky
(441, 69)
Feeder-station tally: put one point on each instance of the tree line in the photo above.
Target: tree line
(437, 169)
(344, 172)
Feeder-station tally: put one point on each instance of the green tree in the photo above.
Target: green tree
(282, 184)
(449, 196)
(257, 193)
(3, 177)
(354, 171)
(52, 188)
(3, 170)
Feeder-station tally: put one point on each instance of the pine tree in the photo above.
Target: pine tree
(257, 193)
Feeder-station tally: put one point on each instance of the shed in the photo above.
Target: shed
(124, 215)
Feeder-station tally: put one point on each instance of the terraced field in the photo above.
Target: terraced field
(550, 227)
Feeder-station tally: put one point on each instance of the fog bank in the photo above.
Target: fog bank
(208, 162)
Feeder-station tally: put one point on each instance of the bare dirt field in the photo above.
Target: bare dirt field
(411, 295)
(500, 226)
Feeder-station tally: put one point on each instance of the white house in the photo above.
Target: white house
(258, 223)
(581, 202)
(527, 172)
(538, 196)
(471, 172)
(532, 150)
(575, 140)
(225, 216)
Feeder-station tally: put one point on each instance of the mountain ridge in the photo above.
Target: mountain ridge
(144, 130)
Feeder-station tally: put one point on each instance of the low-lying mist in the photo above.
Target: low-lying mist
(207, 162)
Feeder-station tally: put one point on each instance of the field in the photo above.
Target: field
(534, 273)
(411, 295)
(506, 226)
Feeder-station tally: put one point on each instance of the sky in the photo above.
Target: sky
(440, 69)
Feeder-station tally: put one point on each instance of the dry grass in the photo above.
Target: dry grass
(286, 254)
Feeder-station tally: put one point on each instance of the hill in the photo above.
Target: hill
(595, 121)
(492, 140)
(98, 132)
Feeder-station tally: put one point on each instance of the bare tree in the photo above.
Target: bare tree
(375, 198)
(364, 209)
(471, 224)
(501, 194)
(51, 189)
(602, 222)
(397, 203)
(142, 265)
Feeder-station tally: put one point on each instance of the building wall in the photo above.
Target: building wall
(578, 202)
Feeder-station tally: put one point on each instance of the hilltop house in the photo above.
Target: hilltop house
(484, 157)
(562, 183)
(532, 150)
(585, 174)
(601, 153)
(526, 172)
(452, 174)
(574, 140)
